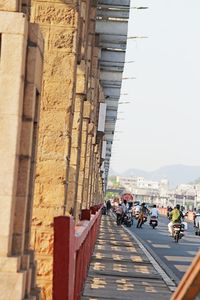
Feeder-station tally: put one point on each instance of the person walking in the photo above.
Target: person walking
(119, 214)
(108, 206)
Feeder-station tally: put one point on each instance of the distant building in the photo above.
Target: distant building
(148, 191)
(158, 192)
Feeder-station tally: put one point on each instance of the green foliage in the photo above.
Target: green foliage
(113, 179)
(111, 195)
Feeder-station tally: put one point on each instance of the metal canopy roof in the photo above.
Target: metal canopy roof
(112, 27)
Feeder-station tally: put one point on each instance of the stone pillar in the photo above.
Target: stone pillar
(27, 156)
(73, 204)
(17, 110)
(10, 5)
(75, 189)
(28, 138)
(13, 35)
(14, 31)
(72, 201)
(88, 164)
(59, 23)
(92, 176)
(82, 163)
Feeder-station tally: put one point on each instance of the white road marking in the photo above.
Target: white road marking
(165, 246)
(192, 252)
(179, 258)
(181, 268)
(190, 244)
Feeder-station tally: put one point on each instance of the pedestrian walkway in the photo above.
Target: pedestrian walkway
(121, 270)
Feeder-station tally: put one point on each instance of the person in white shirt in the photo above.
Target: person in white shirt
(124, 206)
(137, 209)
(154, 211)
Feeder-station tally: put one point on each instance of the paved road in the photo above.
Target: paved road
(176, 257)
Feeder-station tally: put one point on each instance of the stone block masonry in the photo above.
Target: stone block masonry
(58, 22)
(63, 181)
(20, 85)
(49, 146)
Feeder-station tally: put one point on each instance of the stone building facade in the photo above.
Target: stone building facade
(50, 142)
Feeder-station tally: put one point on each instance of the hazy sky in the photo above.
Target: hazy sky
(161, 125)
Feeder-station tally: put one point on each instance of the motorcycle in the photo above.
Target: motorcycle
(128, 221)
(136, 215)
(178, 230)
(144, 219)
(153, 222)
(119, 219)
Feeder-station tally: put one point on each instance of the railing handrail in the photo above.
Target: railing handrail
(73, 243)
(189, 286)
(81, 236)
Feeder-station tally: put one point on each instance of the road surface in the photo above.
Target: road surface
(175, 258)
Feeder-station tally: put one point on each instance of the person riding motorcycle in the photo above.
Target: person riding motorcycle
(154, 211)
(136, 210)
(169, 210)
(175, 217)
(143, 212)
(125, 206)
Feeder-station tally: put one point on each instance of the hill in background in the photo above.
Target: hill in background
(176, 174)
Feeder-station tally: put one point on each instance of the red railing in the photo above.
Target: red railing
(162, 211)
(189, 217)
(73, 247)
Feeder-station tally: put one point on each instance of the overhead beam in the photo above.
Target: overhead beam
(112, 27)
(111, 76)
(108, 13)
(113, 56)
(119, 3)
(115, 38)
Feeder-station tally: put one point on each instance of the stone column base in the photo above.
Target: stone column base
(15, 282)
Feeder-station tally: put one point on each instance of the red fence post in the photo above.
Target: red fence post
(64, 258)
(85, 214)
(93, 210)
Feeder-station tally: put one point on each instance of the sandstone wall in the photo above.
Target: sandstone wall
(67, 162)
(20, 85)
(49, 84)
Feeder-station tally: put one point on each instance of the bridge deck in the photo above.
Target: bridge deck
(120, 270)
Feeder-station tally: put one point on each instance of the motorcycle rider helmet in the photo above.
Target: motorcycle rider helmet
(178, 206)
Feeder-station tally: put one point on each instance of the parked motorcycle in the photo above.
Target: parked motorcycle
(153, 222)
(178, 230)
